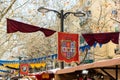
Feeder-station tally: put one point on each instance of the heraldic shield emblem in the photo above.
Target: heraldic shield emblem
(68, 48)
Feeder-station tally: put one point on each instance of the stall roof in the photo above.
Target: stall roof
(98, 64)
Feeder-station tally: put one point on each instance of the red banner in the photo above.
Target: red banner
(24, 69)
(14, 26)
(68, 47)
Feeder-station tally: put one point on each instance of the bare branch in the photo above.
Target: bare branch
(115, 20)
(100, 15)
(22, 4)
(7, 9)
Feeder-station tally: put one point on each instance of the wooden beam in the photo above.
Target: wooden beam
(108, 74)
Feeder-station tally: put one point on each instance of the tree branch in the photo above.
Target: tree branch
(7, 9)
(100, 15)
(115, 20)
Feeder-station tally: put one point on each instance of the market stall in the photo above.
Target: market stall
(110, 67)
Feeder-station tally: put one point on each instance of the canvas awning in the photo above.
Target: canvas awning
(104, 64)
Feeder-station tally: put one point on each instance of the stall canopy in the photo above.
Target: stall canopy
(104, 64)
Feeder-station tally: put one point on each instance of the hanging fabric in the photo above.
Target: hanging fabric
(101, 38)
(14, 26)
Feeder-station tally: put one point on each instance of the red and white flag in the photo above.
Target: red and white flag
(68, 47)
(24, 69)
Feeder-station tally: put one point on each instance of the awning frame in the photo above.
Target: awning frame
(105, 64)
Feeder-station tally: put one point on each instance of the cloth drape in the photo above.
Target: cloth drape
(39, 77)
(14, 26)
(101, 38)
